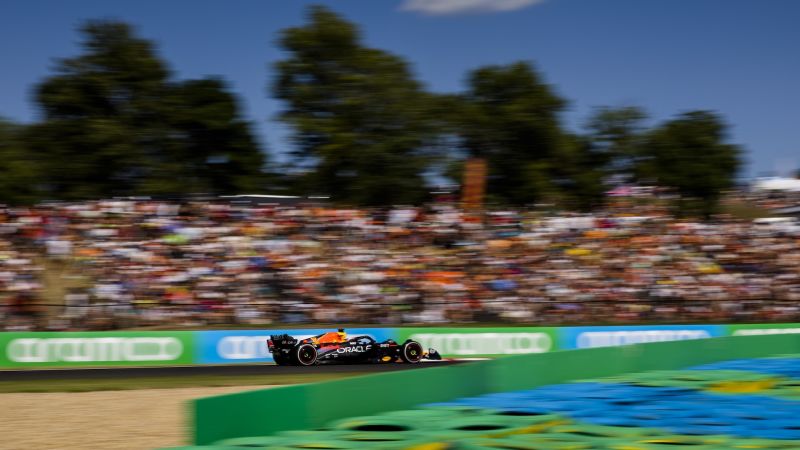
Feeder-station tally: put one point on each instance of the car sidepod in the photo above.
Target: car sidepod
(351, 352)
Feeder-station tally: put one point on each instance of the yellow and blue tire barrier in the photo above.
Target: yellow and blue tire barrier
(741, 404)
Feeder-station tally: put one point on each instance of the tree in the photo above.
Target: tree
(511, 118)
(360, 121)
(581, 174)
(617, 136)
(690, 155)
(103, 128)
(216, 149)
(19, 172)
(115, 124)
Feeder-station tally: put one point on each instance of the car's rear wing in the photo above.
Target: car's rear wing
(280, 341)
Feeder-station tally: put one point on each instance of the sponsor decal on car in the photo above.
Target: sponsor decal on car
(357, 349)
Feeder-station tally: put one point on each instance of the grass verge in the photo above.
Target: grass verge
(118, 384)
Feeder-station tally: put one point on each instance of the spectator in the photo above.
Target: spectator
(151, 263)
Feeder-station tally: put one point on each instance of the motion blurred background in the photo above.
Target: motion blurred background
(397, 165)
(423, 166)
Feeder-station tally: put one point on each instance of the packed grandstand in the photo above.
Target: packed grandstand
(145, 263)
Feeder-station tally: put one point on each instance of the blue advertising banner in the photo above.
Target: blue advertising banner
(250, 346)
(589, 337)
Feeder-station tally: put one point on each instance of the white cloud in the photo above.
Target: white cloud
(443, 7)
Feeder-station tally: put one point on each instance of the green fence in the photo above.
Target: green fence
(267, 411)
(113, 348)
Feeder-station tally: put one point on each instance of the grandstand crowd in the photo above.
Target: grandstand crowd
(144, 263)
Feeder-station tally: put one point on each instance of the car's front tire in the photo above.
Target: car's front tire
(305, 355)
(411, 352)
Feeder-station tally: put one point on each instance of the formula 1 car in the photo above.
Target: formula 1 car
(336, 348)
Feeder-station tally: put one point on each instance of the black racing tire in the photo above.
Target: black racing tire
(411, 352)
(280, 359)
(305, 355)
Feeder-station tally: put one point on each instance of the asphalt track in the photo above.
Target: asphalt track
(227, 370)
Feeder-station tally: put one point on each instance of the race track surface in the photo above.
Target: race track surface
(262, 369)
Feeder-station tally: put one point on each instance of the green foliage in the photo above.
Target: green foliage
(582, 173)
(361, 122)
(217, 151)
(617, 138)
(511, 118)
(689, 154)
(114, 124)
(18, 171)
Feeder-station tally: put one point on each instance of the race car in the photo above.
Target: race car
(335, 348)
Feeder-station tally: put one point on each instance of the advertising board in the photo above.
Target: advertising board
(763, 328)
(113, 348)
(120, 348)
(479, 342)
(590, 337)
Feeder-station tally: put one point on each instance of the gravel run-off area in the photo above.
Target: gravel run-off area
(131, 420)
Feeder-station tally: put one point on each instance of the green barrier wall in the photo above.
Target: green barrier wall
(307, 406)
(529, 371)
(113, 348)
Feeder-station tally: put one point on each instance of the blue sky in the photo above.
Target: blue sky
(738, 57)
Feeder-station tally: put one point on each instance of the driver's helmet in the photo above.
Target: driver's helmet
(333, 337)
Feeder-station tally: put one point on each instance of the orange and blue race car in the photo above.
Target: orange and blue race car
(336, 348)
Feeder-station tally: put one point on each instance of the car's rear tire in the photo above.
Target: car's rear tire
(411, 352)
(280, 359)
(305, 355)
